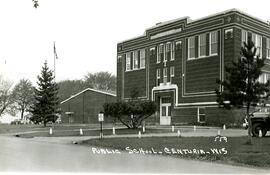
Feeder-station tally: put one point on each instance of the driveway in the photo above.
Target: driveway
(34, 155)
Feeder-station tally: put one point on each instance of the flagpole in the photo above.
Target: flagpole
(54, 61)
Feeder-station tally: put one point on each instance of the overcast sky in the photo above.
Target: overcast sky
(86, 32)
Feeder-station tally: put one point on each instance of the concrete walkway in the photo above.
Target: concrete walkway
(186, 132)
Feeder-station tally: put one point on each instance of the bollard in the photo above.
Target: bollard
(172, 128)
(143, 129)
(194, 128)
(50, 132)
(113, 130)
(260, 133)
(224, 127)
(139, 135)
(178, 133)
(81, 132)
(218, 132)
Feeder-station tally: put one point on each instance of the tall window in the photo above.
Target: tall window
(171, 73)
(160, 55)
(213, 43)
(165, 75)
(202, 45)
(135, 60)
(268, 48)
(128, 58)
(257, 39)
(244, 37)
(169, 52)
(158, 77)
(142, 58)
(191, 47)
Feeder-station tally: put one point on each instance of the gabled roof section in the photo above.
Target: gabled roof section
(88, 89)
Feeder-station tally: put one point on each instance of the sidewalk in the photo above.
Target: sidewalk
(184, 133)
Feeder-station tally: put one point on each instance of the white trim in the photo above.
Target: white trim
(144, 56)
(210, 43)
(135, 54)
(169, 32)
(199, 46)
(88, 89)
(129, 53)
(172, 68)
(194, 47)
(167, 86)
(267, 48)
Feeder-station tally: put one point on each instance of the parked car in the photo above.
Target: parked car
(260, 121)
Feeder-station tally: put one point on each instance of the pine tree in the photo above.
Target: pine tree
(46, 106)
(241, 85)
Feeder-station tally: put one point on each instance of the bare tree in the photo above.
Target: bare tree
(101, 81)
(23, 96)
(5, 93)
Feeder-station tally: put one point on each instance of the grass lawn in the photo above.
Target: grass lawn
(235, 151)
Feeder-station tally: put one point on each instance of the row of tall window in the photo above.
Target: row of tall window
(165, 75)
(135, 60)
(204, 40)
(165, 52)
(257, 39)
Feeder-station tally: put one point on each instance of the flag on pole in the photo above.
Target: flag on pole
(54, 51)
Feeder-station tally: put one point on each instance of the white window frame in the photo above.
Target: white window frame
(244, 37)
(200, 45)
(142, 58)
(135, 60)
(189, 47)
(165, 75)
(128, 61)
(158, 52)
(268, 48)
(199, 115)
(166, 50)
(210, 43)
(172, 71)
(256, 44)
(157, 75)
(172, 51)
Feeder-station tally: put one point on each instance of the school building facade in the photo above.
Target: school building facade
(176, 64)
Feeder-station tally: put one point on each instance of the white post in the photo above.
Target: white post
(50, 132)
(178, 133)
(194, 128)
(139, 135)
(143, 128)
(218, 132)
(113, 130)
(260, 133)
(224, 127)
(81, 131)
(172, 128)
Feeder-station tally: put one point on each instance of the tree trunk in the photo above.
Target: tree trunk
(22, 112)
(44, 123)
(249, 125)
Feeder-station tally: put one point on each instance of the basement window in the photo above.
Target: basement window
(201, 115)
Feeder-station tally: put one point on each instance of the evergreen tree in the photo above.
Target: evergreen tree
(46, 105)
(241, 85)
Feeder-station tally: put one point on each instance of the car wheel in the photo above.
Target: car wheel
(256, 127)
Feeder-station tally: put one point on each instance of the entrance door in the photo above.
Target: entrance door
(165, 111)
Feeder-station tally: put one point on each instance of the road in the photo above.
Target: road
(30, 155)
